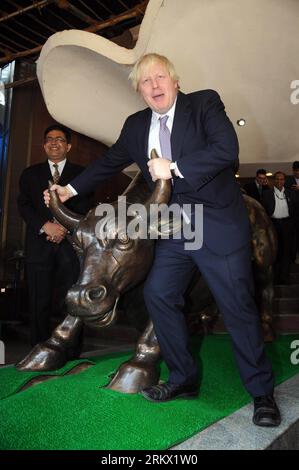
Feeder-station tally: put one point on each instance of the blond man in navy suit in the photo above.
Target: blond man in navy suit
(204, 153)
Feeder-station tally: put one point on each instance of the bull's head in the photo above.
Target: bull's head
(112, 264)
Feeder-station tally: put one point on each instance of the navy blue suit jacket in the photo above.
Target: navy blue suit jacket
(205, 147)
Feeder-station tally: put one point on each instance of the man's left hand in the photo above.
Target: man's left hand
(159, 169)
(58, 238)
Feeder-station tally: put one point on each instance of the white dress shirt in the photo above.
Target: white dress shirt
(281, 210)
(153, 138)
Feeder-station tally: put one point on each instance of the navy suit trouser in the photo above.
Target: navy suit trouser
(48, 283)
(231, 283)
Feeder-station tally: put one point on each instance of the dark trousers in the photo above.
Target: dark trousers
(48, 283)
(296, 236)
(285, 237)
(230, 281)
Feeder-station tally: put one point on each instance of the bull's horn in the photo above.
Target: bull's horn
(64, 216)
(162, 191)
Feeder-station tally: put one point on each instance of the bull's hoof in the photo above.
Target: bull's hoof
(45, 357)
(268, 331)
(268, 335)
(132, 377)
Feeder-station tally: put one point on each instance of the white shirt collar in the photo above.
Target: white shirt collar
(279, 192)
(60, 164)
(170, 113)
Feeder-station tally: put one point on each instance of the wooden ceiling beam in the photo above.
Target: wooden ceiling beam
(132, 13)
(33, 17)
(11, 41)
(6, 50)
(65, 5)
(105, 7)
(21, 82)
(33, 31)
(18, 55)
(99, 18)
(18, 33)
(22, 10)
(60, 19)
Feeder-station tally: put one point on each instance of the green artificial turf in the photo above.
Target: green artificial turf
(74, 412)
(11, 380)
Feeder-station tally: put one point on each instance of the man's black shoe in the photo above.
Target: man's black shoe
(266, 412)
(168, 391)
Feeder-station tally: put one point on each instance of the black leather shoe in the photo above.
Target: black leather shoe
(266, 412)
(168, 391)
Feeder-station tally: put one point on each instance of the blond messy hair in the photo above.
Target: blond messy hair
(145, 62)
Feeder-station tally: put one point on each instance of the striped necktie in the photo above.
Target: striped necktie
(56, 174)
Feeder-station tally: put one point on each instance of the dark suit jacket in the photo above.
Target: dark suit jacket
(268, 201)
(290, 180)
(205, 147)
(252, 191)
(33, 181)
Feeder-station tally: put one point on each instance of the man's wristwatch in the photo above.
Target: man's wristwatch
(172, 168)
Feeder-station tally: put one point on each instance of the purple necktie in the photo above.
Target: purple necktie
(164, 137)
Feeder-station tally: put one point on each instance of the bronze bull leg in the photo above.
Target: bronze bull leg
(142, 370)
(64, 345)
(265, 299)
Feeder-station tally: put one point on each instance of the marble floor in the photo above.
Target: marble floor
(237, 432)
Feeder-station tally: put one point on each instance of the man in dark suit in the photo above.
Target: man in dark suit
(257, 187)
(292, 183)
(279, 206)
(51, 263)
(199, 150)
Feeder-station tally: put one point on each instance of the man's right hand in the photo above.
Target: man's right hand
(63, 192)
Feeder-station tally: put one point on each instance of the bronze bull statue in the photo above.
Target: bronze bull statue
(110, 267)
